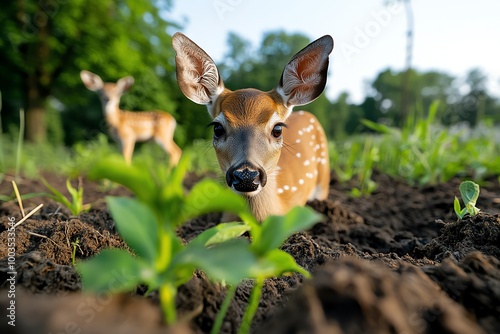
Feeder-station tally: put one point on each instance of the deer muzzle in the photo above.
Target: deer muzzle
(246, 178)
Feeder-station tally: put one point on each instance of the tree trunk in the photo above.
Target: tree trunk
(37, 78)
(36, 97)
(36, 127)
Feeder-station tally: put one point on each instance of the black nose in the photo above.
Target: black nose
(245, 178)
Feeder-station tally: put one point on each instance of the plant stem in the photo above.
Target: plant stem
(253, 303)
(73, 253)
(19, 143)
(165, 249)
(223, 309)
(167, 301)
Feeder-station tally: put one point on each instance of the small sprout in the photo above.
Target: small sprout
(75, 244)
(470, 193)
(75, 204)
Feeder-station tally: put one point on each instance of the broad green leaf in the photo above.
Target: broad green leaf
(220, 233)
(469, 191)
(113, 270)
(136, 179)
(276, 229)
(209, 196)
(230, 261)
(227, 233)
(136, 224)
(275, 263)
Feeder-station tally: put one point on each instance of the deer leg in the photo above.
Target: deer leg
(171, 148)
(166, 140)
(128, 149)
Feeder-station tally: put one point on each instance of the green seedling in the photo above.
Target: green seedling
(345, 159)
(355, 161)
(75, 204)
(75, 244)
(162, 261)
(148, 225)
(470, 193)
(368, 158)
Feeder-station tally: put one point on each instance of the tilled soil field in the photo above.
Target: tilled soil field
(397, 261)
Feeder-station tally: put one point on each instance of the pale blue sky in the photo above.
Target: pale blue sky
(450, 35)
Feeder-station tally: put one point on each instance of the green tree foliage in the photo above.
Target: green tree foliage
(461, 99)
(476, 104)
(45, 44)
(424, 88)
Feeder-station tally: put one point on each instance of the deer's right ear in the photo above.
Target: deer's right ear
(92, 81)
(124, 84)
(197, 73)
(304, 77)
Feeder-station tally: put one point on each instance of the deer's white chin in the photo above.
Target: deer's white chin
(248, 194)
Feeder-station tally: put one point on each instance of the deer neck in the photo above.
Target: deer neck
(266, 202)
(112, 113)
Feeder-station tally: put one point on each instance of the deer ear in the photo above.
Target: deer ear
(304, 77)
(197, 74)
(124, 84)
(92, 81)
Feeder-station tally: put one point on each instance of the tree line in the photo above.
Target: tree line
(46, 44)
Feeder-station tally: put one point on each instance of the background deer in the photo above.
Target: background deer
(128, 127)
(274, 158)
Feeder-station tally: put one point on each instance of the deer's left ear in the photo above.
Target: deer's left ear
(197, 74)
(91, 80)
(304, 77)
(125, 83)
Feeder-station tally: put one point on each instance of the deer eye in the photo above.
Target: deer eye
(277, 130)
(218, 130)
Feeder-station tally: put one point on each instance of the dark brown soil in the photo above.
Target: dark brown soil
(397, 261)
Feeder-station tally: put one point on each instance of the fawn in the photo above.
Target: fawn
(128, 127)
(276, 159)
